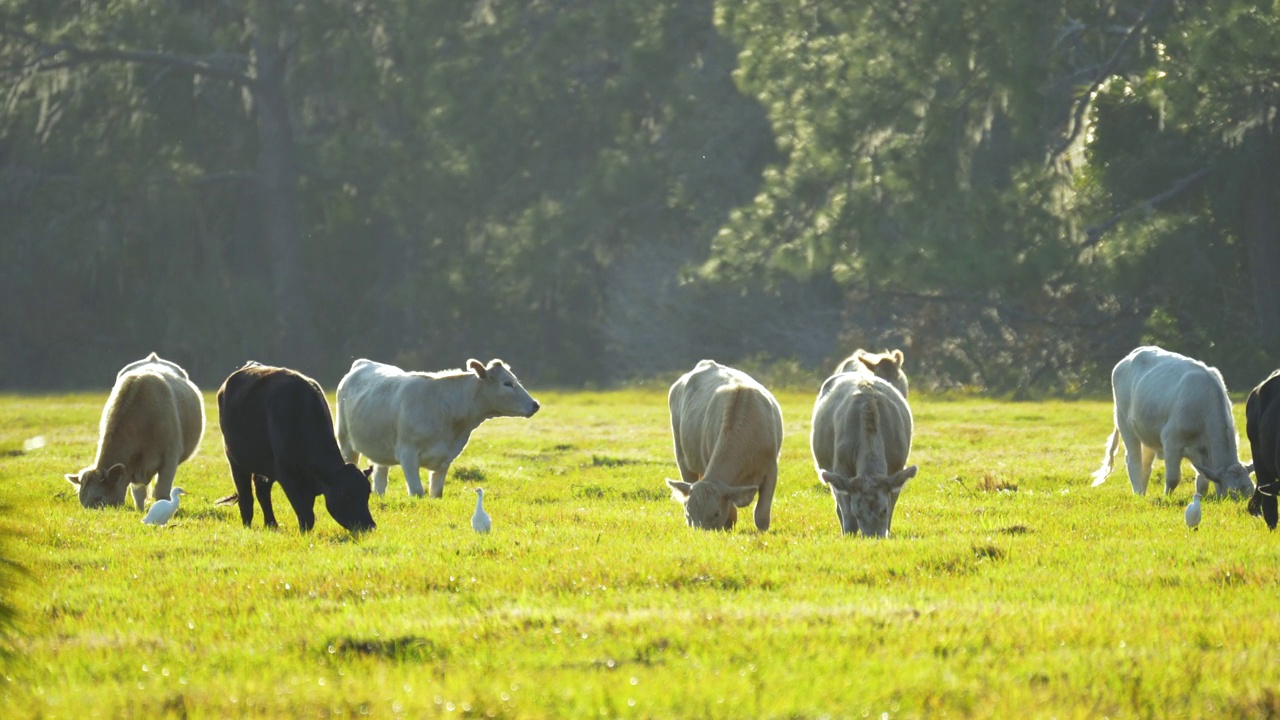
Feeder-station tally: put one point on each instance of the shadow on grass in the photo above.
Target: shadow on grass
(404, 649)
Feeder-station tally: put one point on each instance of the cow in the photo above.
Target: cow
(860, 439)
(276, 427)
(886, 365)
(152, 422)
(1170, 406)
(727, 430)
(419, 419)
(1262, 425)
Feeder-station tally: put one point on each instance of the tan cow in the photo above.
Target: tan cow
(860, 441)
(728, 432)
(152, 421)
(886, 365)
(414, 419)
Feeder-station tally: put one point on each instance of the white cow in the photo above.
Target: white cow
(727, 430)
(152, 421)
(1170, 406)
(885, 365)
(860, 441)
(414, 419)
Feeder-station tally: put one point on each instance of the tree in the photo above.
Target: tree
(69, 57)
(1199, 109)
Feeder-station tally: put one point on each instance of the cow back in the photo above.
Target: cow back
(858, 416)
(273, 417)
(726, 420)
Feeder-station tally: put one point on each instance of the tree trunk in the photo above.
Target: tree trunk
(294, 334)
(1262, 237)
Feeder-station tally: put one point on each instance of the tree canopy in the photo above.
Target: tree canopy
(1015, 193)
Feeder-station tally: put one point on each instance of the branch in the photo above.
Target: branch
(1009, 310)
(54, 56)
(1094, 233)
(1085, 99)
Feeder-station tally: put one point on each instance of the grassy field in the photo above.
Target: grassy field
(1008, 588)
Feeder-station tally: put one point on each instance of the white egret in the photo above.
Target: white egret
(162, 510)
(480, 520)
(1193, 512)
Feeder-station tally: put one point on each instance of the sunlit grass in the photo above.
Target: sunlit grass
(1009, 588)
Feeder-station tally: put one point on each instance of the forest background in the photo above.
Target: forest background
(1015, 193)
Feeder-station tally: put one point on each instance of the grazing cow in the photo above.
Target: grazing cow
(152, 421)
(414, 419)
(860, 441)
(276, 427)
(886, 365)
(728, 432)
(1262, 425)
(1170, 406)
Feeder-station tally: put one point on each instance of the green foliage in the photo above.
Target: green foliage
(1006, 189)
(466, 175)
(1008, 587)
(912, 139)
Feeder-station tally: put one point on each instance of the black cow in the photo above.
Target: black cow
(1262, 424)
(276, 427)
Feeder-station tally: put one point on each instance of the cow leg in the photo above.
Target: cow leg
(1202, 485)
(437, 481)
(262, 488)
(139, 492)
(688, 476)
(380, 478)
(304, 507)
(244, 493)
(1263, 501)
(765, 500)
(1137, 459)
(1173, 470)
(408, 459)
(164, 481)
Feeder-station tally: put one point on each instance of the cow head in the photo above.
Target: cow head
(1263, 502)
(887, 366)
(710, 505)
(864, 504)
(346, 497)
(97, 488)
(1233, 478)
(501, 394)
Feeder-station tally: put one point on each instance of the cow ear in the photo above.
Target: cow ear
(897, 357)
(115, 473)
(839, 482)
(679, 489)
(866, 360)
(478, 368)
(74, 479)
(741, 496)
(900, 478)
(368, 472)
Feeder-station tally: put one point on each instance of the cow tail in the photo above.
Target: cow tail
(231, 499)
(1108, 458)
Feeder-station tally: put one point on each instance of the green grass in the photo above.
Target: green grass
(1009, 587)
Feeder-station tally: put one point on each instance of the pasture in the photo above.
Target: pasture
(1007, 588)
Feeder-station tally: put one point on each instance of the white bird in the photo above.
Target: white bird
(162, 510)
(480, 521)
(1193, 511)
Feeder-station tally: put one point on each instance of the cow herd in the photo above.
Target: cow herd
(726, 428)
